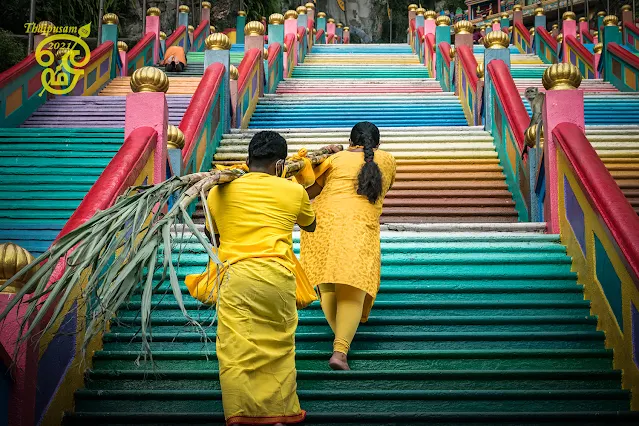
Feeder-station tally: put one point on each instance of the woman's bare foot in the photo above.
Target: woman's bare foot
(338, 361)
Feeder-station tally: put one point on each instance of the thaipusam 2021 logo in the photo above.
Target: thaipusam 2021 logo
(68, 44)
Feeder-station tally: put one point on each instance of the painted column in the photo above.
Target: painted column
(518, 14)
(290, 27)
(610, 34)
(205, 12)
(347, 35)
(302, 21)
(430, 22)
(442, 34)
(147, 107)
(412, 13)
(310, 11)
(153, 26)
(183, 16)
(122, 50)
(496, 44)
(254, 39)
(419, 17)
(330, 29)
(582, 27)
(600, 17)
(218, 50)
(505, 21)
(540, 18)
(463, 37)
(110, 33)
(321, 25)
(276, 35)
(496, 25)
(239, 27)
(563, 104)
(174, 145)
(626, 14)
(45, 29)
(339, 31)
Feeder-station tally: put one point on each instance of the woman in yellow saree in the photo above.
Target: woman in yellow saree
(342, 256)
(253, 219)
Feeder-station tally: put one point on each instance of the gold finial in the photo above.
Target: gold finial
(601, 13)
(610, 21)
(301, 10)
(517, 8)
(420, 11)
(174, 137)
(149, 79)
(582, 19)
(496, 40)
(153, 11)
(162, 35)
(347, 28)
(291, 14)
(331, 21)
(12, 259)
(241, 13)
(412, 7)
(560, 38)
(555, 26)
(191, 28)
(595, 33)
(183, 8)
(122, 46)
(443, 21)
(206, 5)
(298, 37)
(532, 30)
(530, 136)
(452, 52)
(110, 18)
(480, 70)
(276, 19)
(561, 76)
(254, 28)
(598, 48)
(504, 15)
(265, 54)
(463, 27)
(233, 72)
(321, 15)
(626, 8)
(314, 30)
(310, 6)
(45, 27)
(569, 16)
(339, 25)
(285, 49)
(431, 15)
(212, 29)
(482, 28)
(59, 54)
(510, 29)
(539, 11)
(495, 21)
(218, 41)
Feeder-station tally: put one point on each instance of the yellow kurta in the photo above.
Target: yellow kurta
(345, 247)
(257, 316)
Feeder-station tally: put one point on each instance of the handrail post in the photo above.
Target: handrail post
(153, 26)
(609, 34)
(240, 22)
(254, 39)
(290, 27)
(569, 28)
(110, 33)
(496, 44)
(218, 51)
(276, 35)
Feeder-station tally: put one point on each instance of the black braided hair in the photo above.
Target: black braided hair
(369, 180)
(267, 147)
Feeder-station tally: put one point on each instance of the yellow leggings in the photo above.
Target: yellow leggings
(342, 306)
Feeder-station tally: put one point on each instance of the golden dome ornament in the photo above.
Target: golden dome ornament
(568, 16)
(291, 14)
(420, 11)
(452, 52)
(218, 41)
(265, 54)
(191, 28)
(254, 28)
(339, 25)
(582, 19)
(301, 10)
(61, 52)
(495, 21)
(412, 7)
(331, 20)
(45, 27)
(463, 27)
(241, 13)
(310, 6)
(162, 35)
(517, 8)
(480, 71)
(560, 38)
(206, 5)
(532, 31)
(276, 19)
(563, 76)
(346, 29)
(110, 19)
(610, 21)
(212, 29)
(149, 79)
(122, 46)
(443, 21)
(504, 15)
(13, 259)
(626, 8)
(431, 15)
(174, 137)
(598, 48)
(153, 11)
(321, 15)
(530, 136)
(601, 13)
(183, 8)
(539, 11)
(233, 72)
(496, 40)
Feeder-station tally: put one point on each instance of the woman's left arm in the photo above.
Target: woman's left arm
(313, 190)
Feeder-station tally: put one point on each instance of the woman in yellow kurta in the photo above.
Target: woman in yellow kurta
(342, 256)
(254, 217)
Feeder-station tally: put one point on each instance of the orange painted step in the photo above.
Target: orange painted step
(456, 175)
(447, 202)
(447, 219)
(121, 86)
(451, 185)
(448, 193)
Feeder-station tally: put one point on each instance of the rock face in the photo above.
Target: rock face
(361, 17)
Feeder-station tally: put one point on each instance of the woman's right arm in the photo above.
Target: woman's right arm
(313, 190)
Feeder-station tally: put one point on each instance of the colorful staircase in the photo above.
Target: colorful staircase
(476, 323)
(121, 86)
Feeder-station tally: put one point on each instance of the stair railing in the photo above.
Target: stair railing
(289, 53)
(466, 84)
(199, 36)
(429, 54)
(577, 54)
(631, 35)
(444, 74)
(545, 46)
(178, 37)
(141, 55)
(275, 67)
(521, 38)
(621, 68)
(510, 121)
(601, 232)
(21, 91)
(247, 87)
(419, 45)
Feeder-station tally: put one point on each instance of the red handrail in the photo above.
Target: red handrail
(632, 28)
(581, 50)
(444, 48)
(197, 112)
(175, 35)
(469, 63)
(318, 35)
(289, 41)
(121, 172)
(622, 53)
(547, 37)
(301, 32)
(97, 53)
(524, 31)
(587, 35)
(420, 33)
(602, 191)
(246, 66)
(203, 25)
(273, 51)
(140, 46)
(510, 99)
(17, 70)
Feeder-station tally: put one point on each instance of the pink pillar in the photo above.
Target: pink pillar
(597, 59)
(256, 42)
(569, 28)
(149, 109)
(153, 26)
(330, 29)
(626, 16)
(290, 27)
(496, 26)
(125, 63)
(233, 87)
(561, 106)
(583, 28)
(518, 16)
(206, 15)
(411, 14)
(429, 26)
